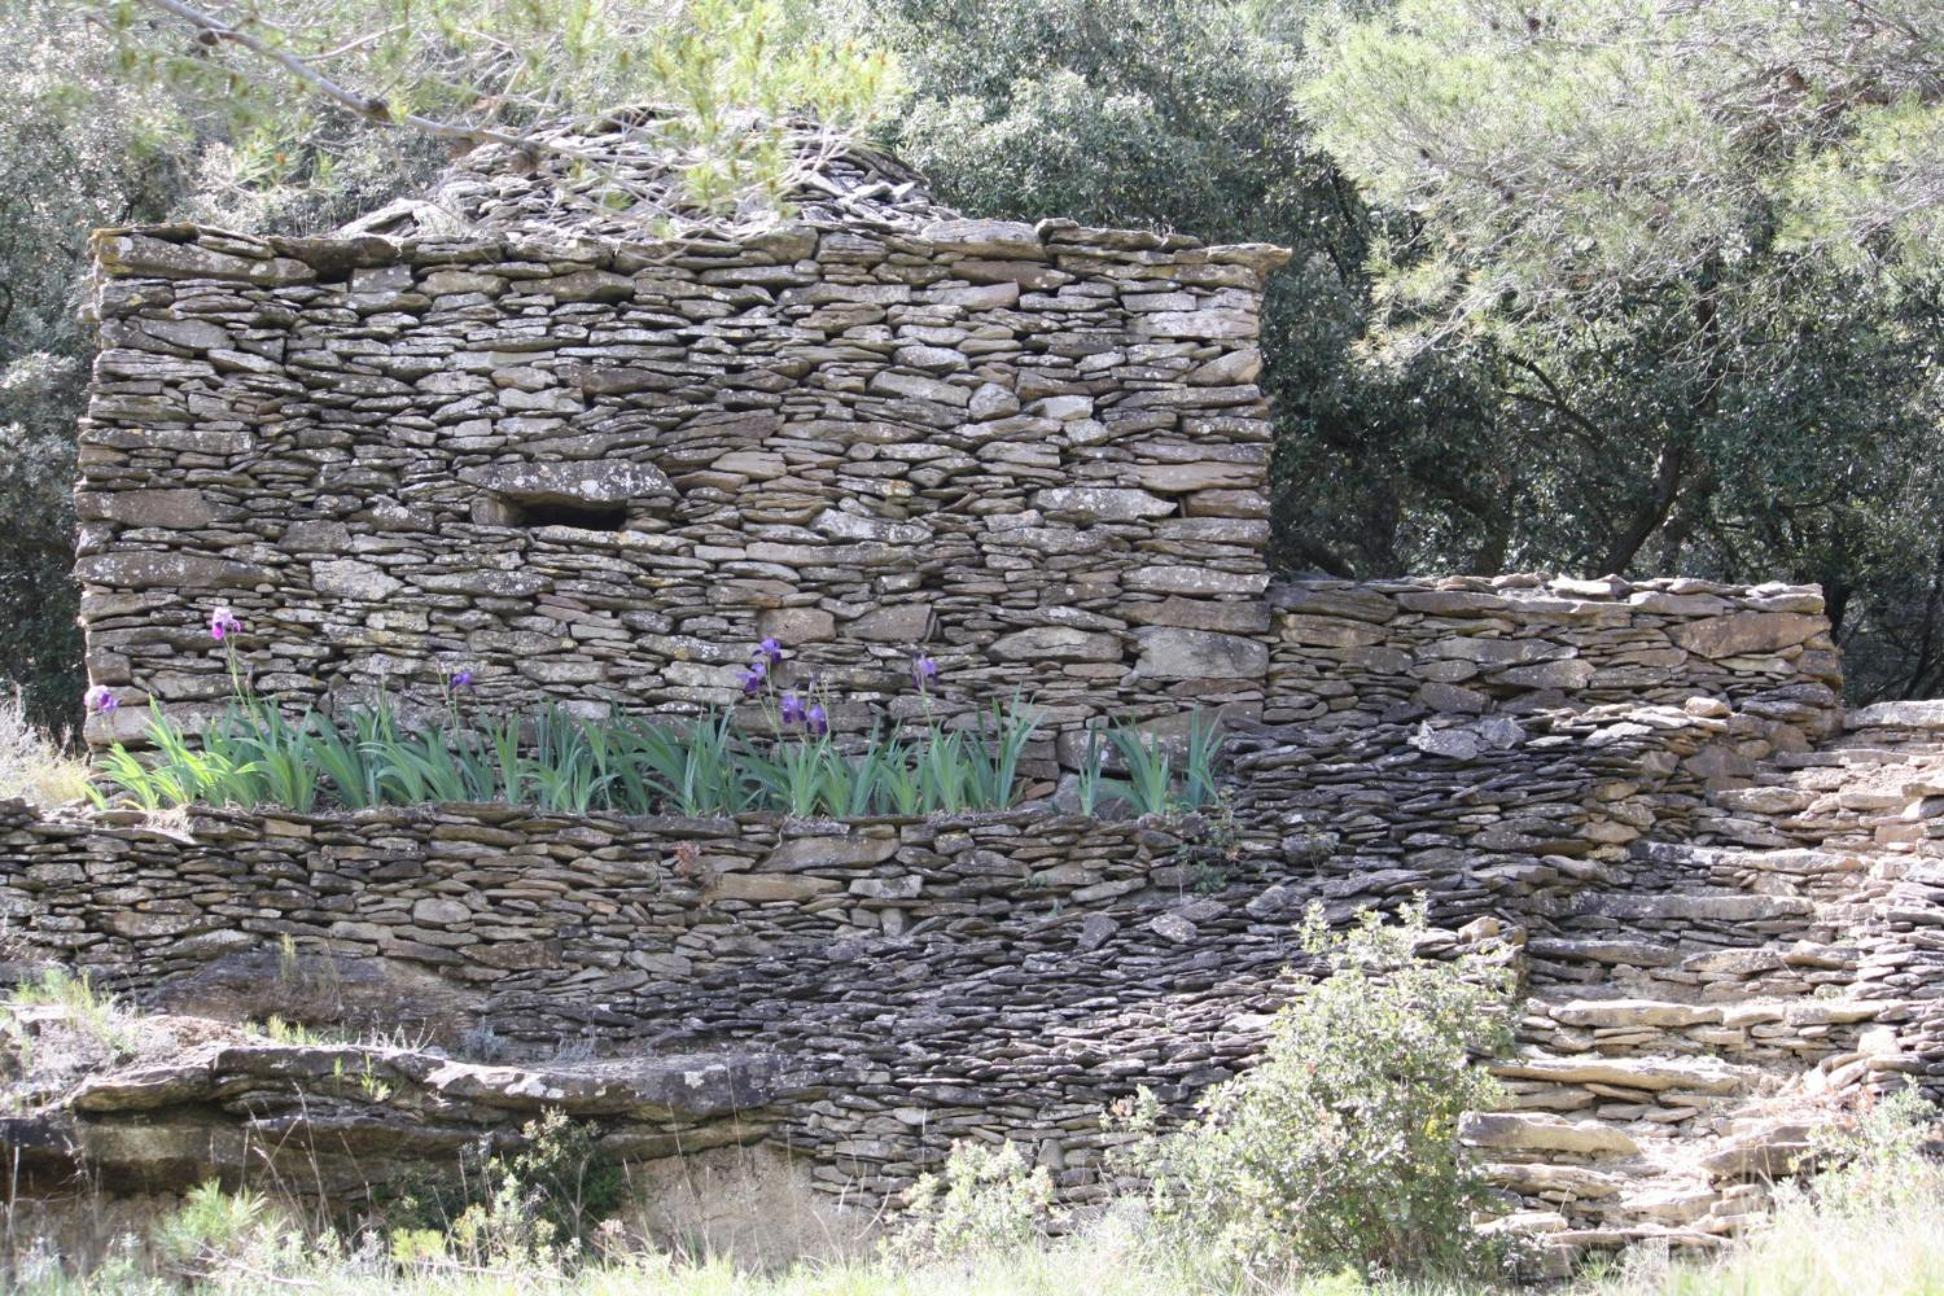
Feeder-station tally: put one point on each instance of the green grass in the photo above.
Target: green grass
(98, 1015)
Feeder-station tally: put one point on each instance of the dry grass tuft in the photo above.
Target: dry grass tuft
(36, 767)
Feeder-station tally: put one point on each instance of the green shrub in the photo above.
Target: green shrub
(1875, 1165)
(213, 1230)
(1339, 1148)
(574, 1186)
(987, 1203)
(538, 1204)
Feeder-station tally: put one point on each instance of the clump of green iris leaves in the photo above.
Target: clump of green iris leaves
(252, 753)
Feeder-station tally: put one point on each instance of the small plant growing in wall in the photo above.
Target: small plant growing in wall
(1161, 777)
(1339, 1149)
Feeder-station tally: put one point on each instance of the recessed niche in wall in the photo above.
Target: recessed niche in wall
(588, 517)
(594, 495)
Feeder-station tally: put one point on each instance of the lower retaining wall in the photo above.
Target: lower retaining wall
(898, 984)
(906, 983)
(587, 920)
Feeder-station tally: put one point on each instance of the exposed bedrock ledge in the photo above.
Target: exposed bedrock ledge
(346, 1120)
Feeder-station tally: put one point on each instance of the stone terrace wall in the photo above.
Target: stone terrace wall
(1462, 646)
(901, 983)
(1038, 453)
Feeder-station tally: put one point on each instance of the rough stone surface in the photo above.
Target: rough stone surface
(596, 470)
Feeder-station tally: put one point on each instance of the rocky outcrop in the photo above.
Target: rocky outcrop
(353, 1121)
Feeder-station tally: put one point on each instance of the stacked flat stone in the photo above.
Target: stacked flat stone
(911, 982)
(1468, 645)
(494, 430)
(571, 176)
(598, 473)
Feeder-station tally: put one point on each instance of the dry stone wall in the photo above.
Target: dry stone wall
(599, 472)
(595, 471)
(896, 985)
(1471, 645)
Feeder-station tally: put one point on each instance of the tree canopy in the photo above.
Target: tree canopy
(1696, 248)
(1585, 285)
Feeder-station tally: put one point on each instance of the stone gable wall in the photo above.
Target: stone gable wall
(600, 472)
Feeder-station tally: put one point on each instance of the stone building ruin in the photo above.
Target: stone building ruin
(500, 437)
(492, 431)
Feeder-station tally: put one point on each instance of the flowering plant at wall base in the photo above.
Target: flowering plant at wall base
(253, 754)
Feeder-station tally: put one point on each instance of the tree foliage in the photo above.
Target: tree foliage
(1581, 285)
(731, 75)
(1695, 251)
(1181, 114)
(81, 149)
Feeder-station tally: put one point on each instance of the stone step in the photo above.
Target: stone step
(1615, 952)
(1615, 1012)
(1761, 1150)
(1768, 798)
(1799, 860)
(1654, 1074)
(1838, 757)
(1694, 904)
(1526, 1132)
(1564, 969)
(1678, 1053)
(1712, 1180)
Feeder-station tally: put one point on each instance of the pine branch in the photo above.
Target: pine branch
(371, 108)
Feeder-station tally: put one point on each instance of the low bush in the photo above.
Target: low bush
(1339, 1148)
(1874, 1163)
(986, 1202)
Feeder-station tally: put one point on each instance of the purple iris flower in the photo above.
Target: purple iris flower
(770, 650)
(752, 679)
(462, 679)
(100, 700)
(924, 673)
(792, 709)
(817, 721)
(223, 623)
